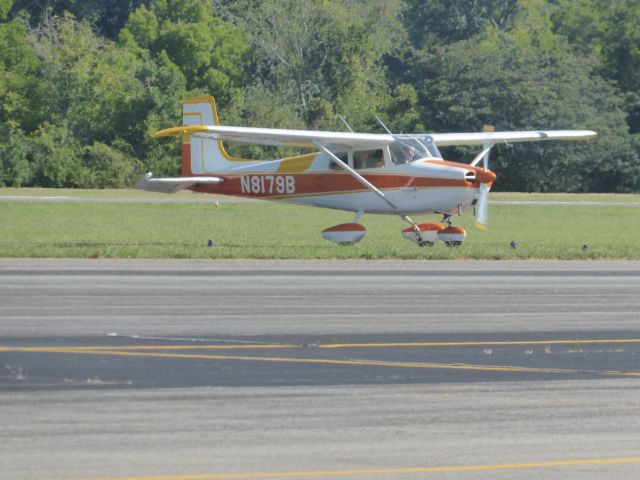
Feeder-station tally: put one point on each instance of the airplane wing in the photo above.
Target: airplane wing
(337, 140)
(172, 185)
(281, 137)
(479, 138)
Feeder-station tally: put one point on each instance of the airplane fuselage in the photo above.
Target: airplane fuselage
(421, 187)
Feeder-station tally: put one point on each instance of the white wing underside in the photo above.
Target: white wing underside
(479, 138)
(337, 140)
(299, 138)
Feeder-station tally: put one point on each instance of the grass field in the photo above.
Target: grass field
(267, 230)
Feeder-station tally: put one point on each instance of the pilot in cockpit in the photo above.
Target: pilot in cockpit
(409, 153)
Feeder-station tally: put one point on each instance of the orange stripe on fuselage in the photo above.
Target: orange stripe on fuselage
(480, 172)
(448, 163)
(319, 184)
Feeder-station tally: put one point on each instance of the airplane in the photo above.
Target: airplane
(392, 174)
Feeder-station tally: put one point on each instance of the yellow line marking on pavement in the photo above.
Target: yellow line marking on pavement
(386, 471)
(321, 361)
(141, 351)
(476, 344)
(340, 345)
(159, 347)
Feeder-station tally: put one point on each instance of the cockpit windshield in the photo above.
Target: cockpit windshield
(408, 148)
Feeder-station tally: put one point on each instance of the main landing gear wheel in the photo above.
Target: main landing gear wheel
(345, 233)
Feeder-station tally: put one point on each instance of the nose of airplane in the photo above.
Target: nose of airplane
(485, 176)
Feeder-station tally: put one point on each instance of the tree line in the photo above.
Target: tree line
(85, 83)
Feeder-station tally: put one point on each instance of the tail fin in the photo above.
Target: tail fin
(202, 155)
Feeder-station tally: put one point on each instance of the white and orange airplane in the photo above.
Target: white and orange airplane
(364, 173)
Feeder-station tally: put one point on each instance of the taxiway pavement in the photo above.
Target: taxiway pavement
(326, 369)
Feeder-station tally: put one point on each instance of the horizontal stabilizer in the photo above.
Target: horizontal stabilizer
(173, 185)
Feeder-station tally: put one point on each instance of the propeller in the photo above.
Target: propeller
(485, 177)
(482, 208)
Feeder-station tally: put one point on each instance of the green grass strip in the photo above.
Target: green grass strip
(279, 231)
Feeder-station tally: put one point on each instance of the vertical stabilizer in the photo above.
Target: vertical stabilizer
(202, 155)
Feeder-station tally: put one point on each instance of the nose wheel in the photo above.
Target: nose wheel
(427, 234)
(424, 234)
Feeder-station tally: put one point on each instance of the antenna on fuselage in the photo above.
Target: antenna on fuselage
(345, 122)
(405, 144)
(383, 125)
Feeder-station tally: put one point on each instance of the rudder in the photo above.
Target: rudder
(202, 155)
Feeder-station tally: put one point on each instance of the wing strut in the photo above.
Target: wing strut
(484, 154)
(356, 175)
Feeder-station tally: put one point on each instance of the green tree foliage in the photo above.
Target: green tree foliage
(87, 97)
(56, 157)
(209, 53)
(14, 164)
(85, 83)
(104, 91)
(610, 31)
(505, 85)
(521, 74)
(5, 8)
(440, 22)
(18, 67)
(323, 58)
(107, 16)
(18, 85)
(110, 165)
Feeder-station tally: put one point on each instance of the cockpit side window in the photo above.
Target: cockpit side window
(432, 147)
(402, 153)
(408, 148)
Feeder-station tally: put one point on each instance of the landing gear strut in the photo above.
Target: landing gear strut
(416, 230)
(346, 233)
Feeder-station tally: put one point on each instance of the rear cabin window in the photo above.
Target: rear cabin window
(343, 156)
(368, 159)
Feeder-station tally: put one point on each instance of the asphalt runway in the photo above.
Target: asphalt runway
(326, 369)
